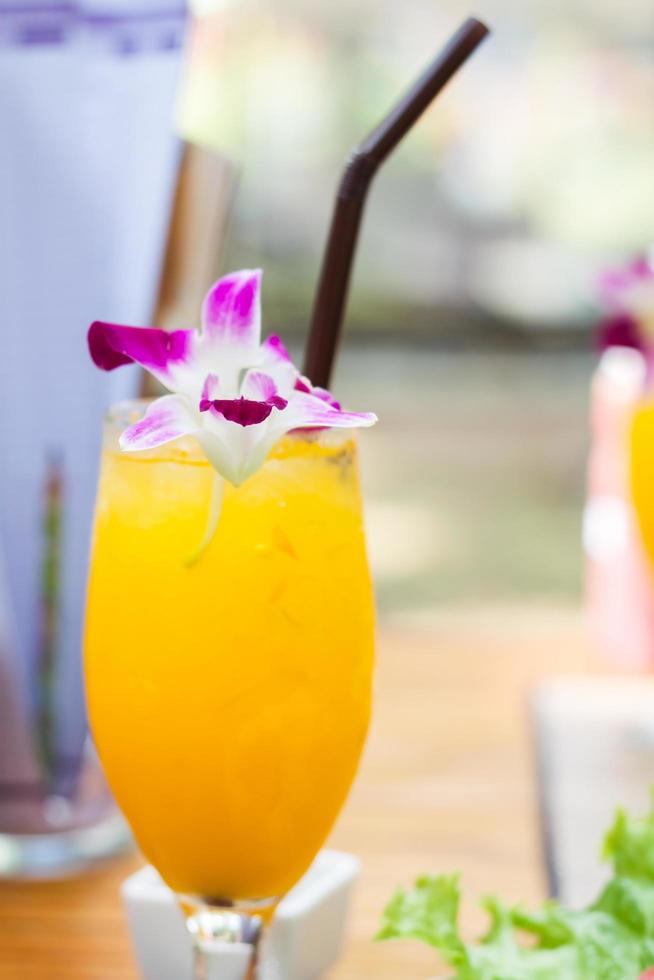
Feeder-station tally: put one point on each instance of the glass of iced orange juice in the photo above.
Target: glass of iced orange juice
(229, 636)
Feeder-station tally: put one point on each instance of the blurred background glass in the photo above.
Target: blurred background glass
(475, 281)
(88, 168)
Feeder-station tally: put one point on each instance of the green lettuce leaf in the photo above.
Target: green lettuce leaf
(629, 845)
(612, 939)
(428, 913)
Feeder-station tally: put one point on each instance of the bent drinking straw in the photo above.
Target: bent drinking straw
(364, 161)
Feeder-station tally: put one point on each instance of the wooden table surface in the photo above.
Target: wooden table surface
(446, 783)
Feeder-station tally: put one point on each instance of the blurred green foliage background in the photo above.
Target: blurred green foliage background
(473, 299)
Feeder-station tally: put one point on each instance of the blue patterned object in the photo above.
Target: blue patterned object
(124, 29)
(88, 162)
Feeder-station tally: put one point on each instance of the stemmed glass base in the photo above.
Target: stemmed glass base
(214, 922)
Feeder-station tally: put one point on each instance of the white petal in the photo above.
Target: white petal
(166, 419)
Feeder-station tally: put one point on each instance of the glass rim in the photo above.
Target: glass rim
(128, 411)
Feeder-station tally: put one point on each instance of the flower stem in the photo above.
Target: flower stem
(215, 509)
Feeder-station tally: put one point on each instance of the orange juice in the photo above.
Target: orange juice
(229, 691)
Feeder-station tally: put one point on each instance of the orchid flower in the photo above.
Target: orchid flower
(235, 395)
(628, 293)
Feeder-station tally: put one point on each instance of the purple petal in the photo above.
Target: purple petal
(310, 412)
(613, 282)
(303, 384)
(326, 396)
(242, 411)
(274, 349)
(209, 392)
(261, 387)
(231, 312)
(620, 330)
(158, 351)
(166, 419)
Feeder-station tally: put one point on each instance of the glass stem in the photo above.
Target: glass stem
(215, 924)
(199, 963)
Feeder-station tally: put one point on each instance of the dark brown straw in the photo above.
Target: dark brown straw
(365, 160)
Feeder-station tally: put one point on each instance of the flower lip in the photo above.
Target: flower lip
(620, 330)
(243, 411)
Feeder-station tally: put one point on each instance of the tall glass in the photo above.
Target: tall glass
(229, 682)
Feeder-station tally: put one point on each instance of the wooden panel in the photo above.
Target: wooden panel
(196, 237)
